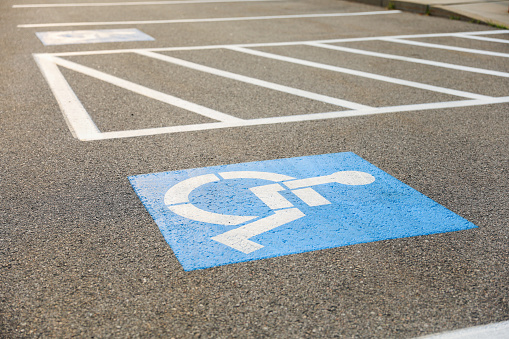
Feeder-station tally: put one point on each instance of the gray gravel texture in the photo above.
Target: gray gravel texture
(81, 257)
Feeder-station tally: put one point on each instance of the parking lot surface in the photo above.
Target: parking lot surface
(99, 96)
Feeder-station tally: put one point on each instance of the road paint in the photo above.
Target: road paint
(270, 44)
(270, 196)
(482, 38)
(294, 118)
(254, 81)
(413, 60)
(492, 331)
(353, 202)
(362, 74)
(311, 197)
(501, 31)
(238, 238)
(92, 36)
(133, 3)
(79, 122)
(180, 21)
(83, 128)
(450, 48)
(150, 93)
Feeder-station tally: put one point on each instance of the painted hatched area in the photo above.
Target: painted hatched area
(83, 127)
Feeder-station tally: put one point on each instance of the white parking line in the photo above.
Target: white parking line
(254, 81)
(482, 38)
(450, 48)
(501, 31)
(75, 115)
(413, 60)
(179, 21)
(150, 93)
(83, 127)
(138, 3)
(362, 74)
(272, 44)
(295, 118)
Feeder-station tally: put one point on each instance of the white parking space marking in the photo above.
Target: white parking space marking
(253, 81)
(138, 3)
(150, 93)
(295, 118)
(77, 118)
(482, 38)
(413, 60)
(484, 32)
(274, 44)
(451, 48)
(83, 127)
(180, 21)
(361, 74)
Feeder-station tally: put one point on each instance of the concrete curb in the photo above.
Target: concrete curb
(440, 10)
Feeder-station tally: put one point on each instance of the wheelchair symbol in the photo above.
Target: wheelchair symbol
(177, 200)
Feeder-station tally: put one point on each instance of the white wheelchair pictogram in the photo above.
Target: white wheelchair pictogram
(177, 200)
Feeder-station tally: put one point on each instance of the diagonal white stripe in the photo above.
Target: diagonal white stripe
(450, 48)
(363, 74)
(413, 60)
(166, 98)
(482, 38)
(75, 115)
(254, 81)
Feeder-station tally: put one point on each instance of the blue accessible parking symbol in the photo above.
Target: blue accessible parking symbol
(220, 215)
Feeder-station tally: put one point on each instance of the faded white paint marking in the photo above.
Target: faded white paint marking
(150, 93)
(362, 74)
(79, 122)
(450, 48)
(254, 81)
(492, 331)
(413, 60)
(92, 36)
(179, 21)
(133, 3)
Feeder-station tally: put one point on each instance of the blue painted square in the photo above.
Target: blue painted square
(220, 215)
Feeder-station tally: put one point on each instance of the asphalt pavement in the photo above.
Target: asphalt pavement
(420, 101)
